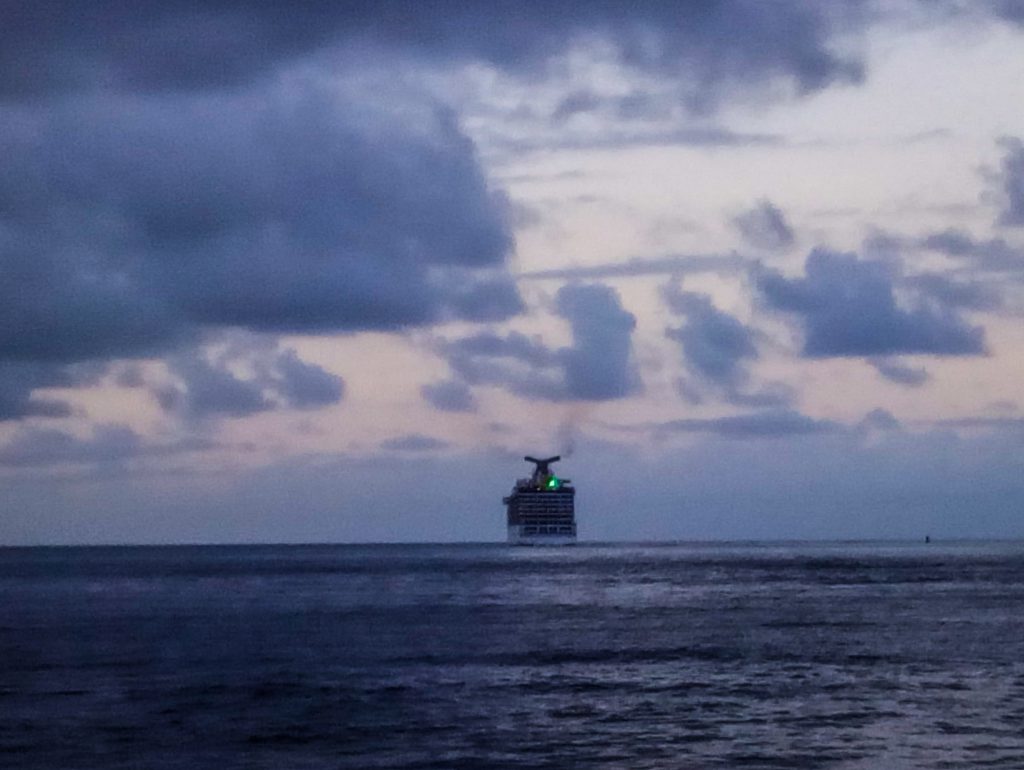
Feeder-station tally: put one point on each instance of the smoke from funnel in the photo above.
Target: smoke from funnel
(569, 430)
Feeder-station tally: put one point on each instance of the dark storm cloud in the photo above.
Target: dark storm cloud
(449, 396)
(849, 307)
(765, 227)
(769, 424)
(168, 171)
(157, 46)
(280, 210)
(598, 366)
(894, 370)
(131, 227)
(1011, 181)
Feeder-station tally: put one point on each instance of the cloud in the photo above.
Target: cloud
(970, 295)
(709, 48)
(993, 254)
(898, 372)
(413, 443)
(303, 385)
(715, 345)
(19, 379)
(612, 138)
(291, 209)
(1012, 183)
(672, 264)
(41, 447)
(581, 101)
(849, 307)
(880, 420)
(768, 424)
(718, 350)
(765, 227)
(991, 423)
(449, 396)
(45, 446)
(598, 366)
(132, 227)
(211, 383)
(1010, 10)
(515, 362)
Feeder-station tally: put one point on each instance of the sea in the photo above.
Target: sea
(682, 655)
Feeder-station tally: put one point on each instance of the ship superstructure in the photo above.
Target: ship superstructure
(541, 508)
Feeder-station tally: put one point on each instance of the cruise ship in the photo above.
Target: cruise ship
(541, 508)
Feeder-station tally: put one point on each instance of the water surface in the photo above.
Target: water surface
(842, 655)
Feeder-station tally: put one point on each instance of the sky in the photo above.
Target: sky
(326, 272)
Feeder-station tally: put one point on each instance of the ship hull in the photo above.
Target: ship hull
(541, 517)
(516, 536)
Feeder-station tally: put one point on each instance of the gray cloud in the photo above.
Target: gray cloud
(41, 447)
(284, 210)
(765, 227)
(768, 424)
(988, 423)
(993, 254)
(18, 379)
(896, 371)
(718, 349)
(208, 384)
(449, 396)
(582, 101)
(618, 138)
(413, 443)
(952, 293)
(514, 361)
(1012, 183)
(1011, 10)
(304, 385)
(45, 447)
(672, 264)
(709, 47)
(598, 366)
(879, 419)
(848, 307)
(715, 345)
(289, 209)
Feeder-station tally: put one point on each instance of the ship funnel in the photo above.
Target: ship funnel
(542, 470)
